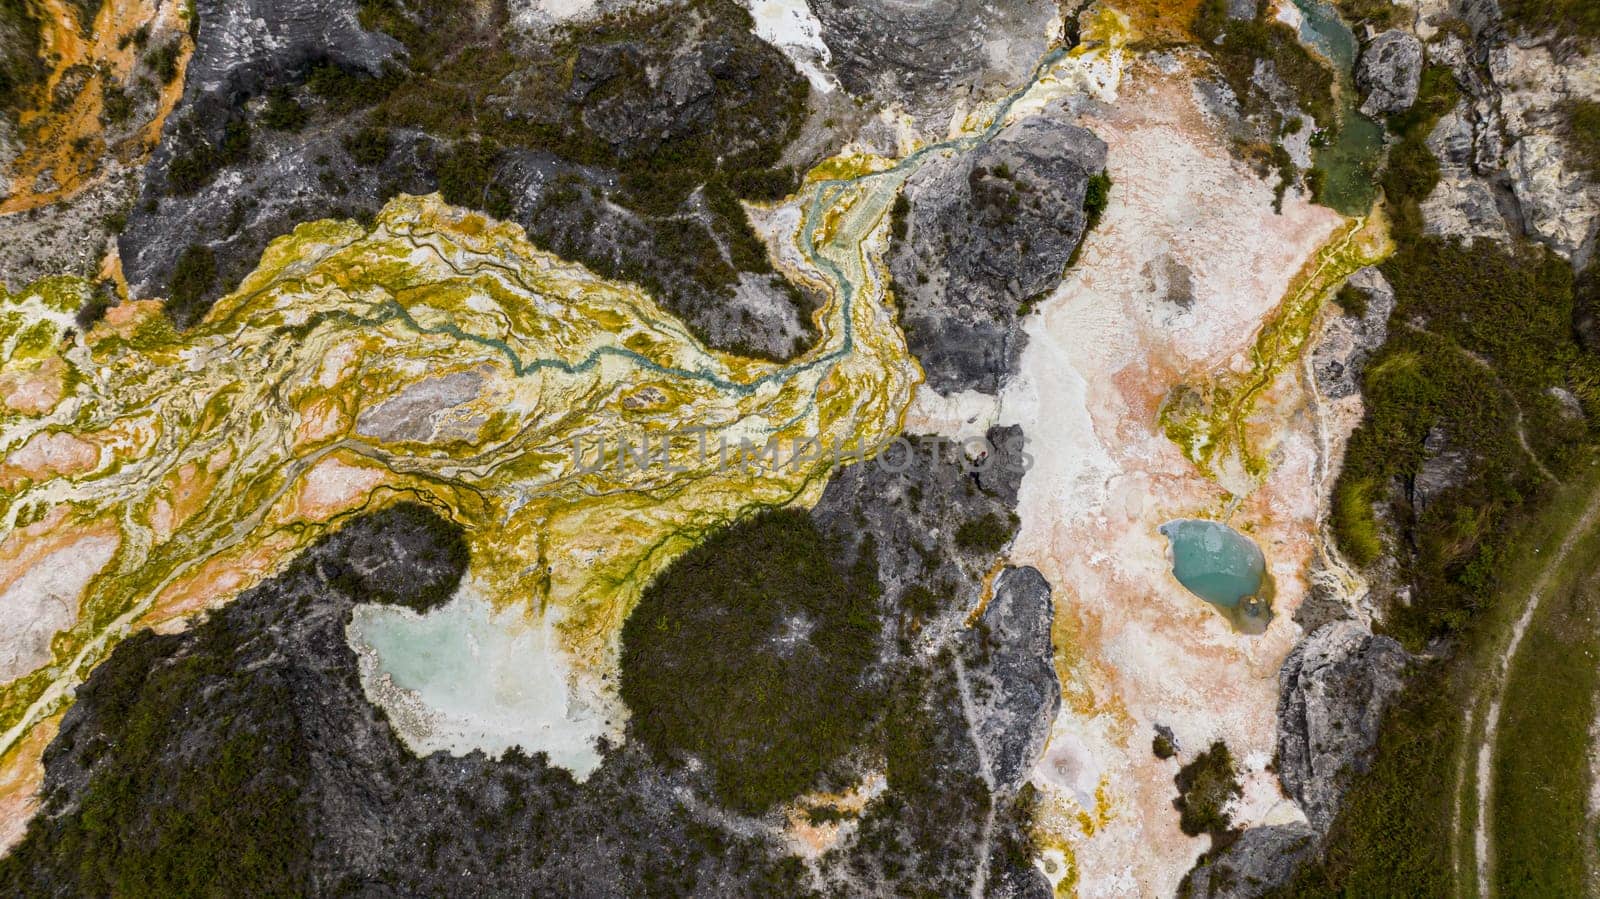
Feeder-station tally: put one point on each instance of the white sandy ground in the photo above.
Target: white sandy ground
(463, 677)
(1134, 648)
(790, 26)
(44, 600)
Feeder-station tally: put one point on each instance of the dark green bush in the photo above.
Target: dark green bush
(466, 178)
(1205, 787)
(192, 281)
(988, 534)
(369, 146)
(163, 60)
(749, 654)
(1583, 133)
(283, 112)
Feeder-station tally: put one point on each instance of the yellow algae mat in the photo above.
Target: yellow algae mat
(576, 430)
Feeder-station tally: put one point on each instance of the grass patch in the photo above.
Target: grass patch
(1542, 834)
(1394, 832)
(1392, 835)
(749, 653)
(1495, 336)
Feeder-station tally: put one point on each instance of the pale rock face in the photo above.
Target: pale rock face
(1389, 73)
(1347, 343)
(1560, 202)
(1462, 204)
(1260, 861)
(1336, 686)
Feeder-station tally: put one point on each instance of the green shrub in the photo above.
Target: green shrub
(163, 60)
(1564, 18)
(1096, 197)
(1352, 300)
(1237, 44)
(466, 178)
(283, 112)
(1582, 130)
(1205, 787)
(369, 146)
(988, 534)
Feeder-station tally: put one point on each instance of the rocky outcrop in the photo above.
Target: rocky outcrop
(913, 514)
(1389, 73)
(640, 90)
(926, 57)
(247, 738)
(1444, 467)
(1333, 691)
(1506, 165)
(1260, 861)
(1462, 205)
(1349, 341)
(1023, 694)
(986, 232)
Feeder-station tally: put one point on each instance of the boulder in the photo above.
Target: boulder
(1389, 73)
(1259, 862)
(1333, 692)
(1014, 718)
(987, 231)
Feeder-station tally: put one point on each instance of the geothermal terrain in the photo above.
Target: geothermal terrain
(799, 447)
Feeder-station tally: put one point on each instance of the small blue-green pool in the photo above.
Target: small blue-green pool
(1222, 567)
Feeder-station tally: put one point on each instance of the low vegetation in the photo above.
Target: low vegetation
(1238, 45)
(1205, 788)
(1582, 132)
(230, 822)
(749, 654)
(22, 67)
(192, 281)
(1565, 18)
(1479, 338)
(988, 534)
(1543, 834)
(1392, 835)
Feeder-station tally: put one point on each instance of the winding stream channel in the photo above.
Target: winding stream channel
(576, 430)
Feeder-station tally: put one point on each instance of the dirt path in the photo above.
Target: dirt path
(1493, 689)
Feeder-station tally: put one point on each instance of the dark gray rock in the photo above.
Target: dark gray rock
(1333, 692)
(924, 56)
(913, 511)
(1445, 466)
(350, 809)
(1348, 342)
(246, 46)
(294, 178)
(987, 231)
(1018, 705)
(659, 88)
(1260, 861)
(1389, 73)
